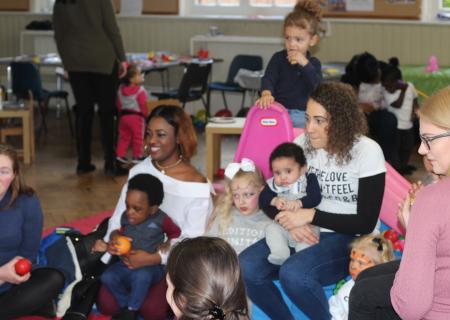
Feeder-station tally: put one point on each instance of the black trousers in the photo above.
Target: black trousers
(29, 297)
(370, 297)
(89, 89)
(382, 126)
(404, 144)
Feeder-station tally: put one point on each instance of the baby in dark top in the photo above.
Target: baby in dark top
(146, 226)
(289, 189)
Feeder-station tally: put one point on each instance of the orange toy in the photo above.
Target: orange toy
(123, 244)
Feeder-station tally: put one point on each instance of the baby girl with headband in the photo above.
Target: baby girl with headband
(237, 217)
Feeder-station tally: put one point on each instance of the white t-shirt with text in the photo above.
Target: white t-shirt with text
(339, 183)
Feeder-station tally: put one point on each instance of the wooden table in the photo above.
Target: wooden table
(25, 113)
(214, 133)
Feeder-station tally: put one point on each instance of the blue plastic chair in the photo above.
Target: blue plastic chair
(241, 61)
(26, 77)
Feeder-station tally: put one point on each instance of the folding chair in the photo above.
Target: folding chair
(193, 85)
(241, 61)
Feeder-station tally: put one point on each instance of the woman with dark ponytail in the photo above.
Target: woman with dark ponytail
(204, 281)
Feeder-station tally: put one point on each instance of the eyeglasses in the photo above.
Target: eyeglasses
(5, 172)
(428, 139)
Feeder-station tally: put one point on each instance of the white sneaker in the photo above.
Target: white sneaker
(122, 160)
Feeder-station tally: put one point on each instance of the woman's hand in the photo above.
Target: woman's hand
(293, 205)
(266, 100)
(305, 233)
(404, 209)
(140, 258)
(8, 273)
(293, 219)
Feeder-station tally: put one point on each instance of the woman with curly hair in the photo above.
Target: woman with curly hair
(351, 173)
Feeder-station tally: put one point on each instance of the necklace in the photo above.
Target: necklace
(164, 168)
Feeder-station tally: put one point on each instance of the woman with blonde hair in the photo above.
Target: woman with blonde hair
(20, 235)
(417, 287)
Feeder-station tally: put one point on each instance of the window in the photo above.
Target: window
(42, 6)
(272, 3)
(444, 5)
(239, 7)
(217, 3)
(253, 3)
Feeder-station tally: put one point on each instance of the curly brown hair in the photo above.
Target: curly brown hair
(307, 14)
(346, 121)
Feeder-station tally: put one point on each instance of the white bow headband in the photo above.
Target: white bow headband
(246, 165)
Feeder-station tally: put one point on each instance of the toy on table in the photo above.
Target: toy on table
(199, 120)
(123, 245)
(22, 266)
(203, 54)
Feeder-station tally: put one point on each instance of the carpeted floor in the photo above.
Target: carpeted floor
(84, 225)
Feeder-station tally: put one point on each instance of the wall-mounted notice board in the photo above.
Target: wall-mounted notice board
(14, 5)
(160, 7)
(376, 9)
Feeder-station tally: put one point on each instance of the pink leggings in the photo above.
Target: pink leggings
(131, 131)
(155, 306)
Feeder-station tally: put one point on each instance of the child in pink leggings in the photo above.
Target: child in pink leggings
(132, 107)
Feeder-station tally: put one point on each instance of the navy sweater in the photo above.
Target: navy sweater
(20, 229)
(310, 200)
(291, 84)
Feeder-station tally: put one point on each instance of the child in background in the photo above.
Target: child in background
(204, 281)
(401, 99)
(366, 251)
(237, 217)
(370, 95)
(292, 74)
(382, 123)
(289, 189)
(146, 225)
(132, 106)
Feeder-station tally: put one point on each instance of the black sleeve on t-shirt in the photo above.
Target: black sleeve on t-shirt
(370, 197)
(313, 193)
(265, 197)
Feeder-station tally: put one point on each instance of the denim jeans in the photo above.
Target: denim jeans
(130, 287)
(301, 276)
(298, 117)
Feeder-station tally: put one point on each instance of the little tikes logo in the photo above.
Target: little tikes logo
(268, 122)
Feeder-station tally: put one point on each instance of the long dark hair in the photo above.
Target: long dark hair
(207, 280)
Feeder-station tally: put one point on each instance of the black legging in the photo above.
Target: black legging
(370, 297)
(29, 297)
